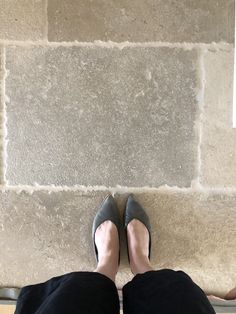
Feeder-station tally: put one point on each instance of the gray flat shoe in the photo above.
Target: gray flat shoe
(107, 211)
(134, 210)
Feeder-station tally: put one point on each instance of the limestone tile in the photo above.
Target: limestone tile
(98, 116)
(138, 20)
(22, 19)
(218, 149)
(44, 235)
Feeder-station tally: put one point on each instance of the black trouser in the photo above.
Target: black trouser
(155, 292)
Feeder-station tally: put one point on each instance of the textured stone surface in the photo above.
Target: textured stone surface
(218, 149)
(137, 20)
(45, 235)
(97, 116)
(22, 19)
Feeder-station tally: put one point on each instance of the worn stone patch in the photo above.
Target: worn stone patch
(140, 21)
(45, 235)
(97, 116)
(218, 149)
(22, 19)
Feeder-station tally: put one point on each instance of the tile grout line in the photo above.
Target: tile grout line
(119, 45)
(198, 122)
(201, 115)
(82, 188)
(4, 115)
(46, 21)
(114, 190)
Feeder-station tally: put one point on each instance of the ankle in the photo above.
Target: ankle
(139, 262)
(106, 271)
(108, 265)
(110, 258)
(140, 266)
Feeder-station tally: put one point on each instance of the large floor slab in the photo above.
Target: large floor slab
(138, 20)
(44, 235)
(218, 148)
(22, 19)
(98, 116)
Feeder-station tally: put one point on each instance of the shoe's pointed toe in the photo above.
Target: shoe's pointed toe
(134, 210)
(108, 211)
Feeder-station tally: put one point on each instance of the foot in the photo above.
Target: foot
(107, 243)
(138, 244)
(231, 295)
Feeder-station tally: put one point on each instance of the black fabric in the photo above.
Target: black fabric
(77, 292)
(164, 292)
(160, 292)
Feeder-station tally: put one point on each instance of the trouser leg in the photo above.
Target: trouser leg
(164, 292)
(74, 293)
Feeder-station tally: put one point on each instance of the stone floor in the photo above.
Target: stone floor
(120, 97)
